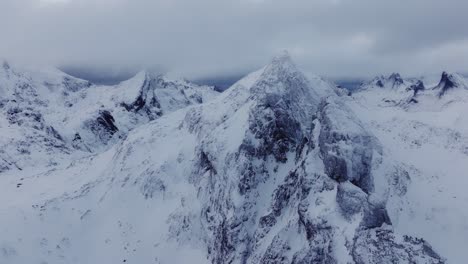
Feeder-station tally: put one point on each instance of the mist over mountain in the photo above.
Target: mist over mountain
(207, 38)
(100, 76)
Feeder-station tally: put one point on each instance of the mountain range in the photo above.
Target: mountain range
(278, 168)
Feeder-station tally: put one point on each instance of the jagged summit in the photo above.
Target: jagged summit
(396, 79)
(281, 76)
(282, 58)
(450, 81)
(416, 87)
(409, 93)
(392, 81)
(281, 66)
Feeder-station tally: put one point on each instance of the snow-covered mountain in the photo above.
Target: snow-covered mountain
(427, 132)
(47, 116)
(414, 92)
(393, 81)
(279, 168)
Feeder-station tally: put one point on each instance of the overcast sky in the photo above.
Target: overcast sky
(203, 38)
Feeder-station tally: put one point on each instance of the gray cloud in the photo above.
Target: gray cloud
(336, 38)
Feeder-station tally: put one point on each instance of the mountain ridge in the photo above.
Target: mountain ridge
(276, 169)
(52, 113)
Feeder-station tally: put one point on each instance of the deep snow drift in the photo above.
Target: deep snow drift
(277, 169)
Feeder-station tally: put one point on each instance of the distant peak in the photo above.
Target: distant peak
(282, 62)
(449, 81)
(416, 87)
(419, 83)
(143, 74)
(281, 57)
(393, 80)
(395, 76)
(5, 65)
(396, 79)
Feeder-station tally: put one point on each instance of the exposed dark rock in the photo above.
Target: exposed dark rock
(416, 88)
(375, 215)
(107, 120)
(396, 79)
(320, 249)
(400, 180)
(351, 199)
(25, 116)
(75, 85)
(346, 147)
(138, 104)
(205, 164)
(275, 127)
(152, 185)
(51, 131)
(281, 198)
(78, 143)
(277, 252)
(146, 102)
(103, 126)
(379, 245)
(446, 83)
(223, 244)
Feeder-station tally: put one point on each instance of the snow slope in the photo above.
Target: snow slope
(429, 137)
(277, 169)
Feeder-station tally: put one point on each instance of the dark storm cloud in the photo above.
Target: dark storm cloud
(220, 37)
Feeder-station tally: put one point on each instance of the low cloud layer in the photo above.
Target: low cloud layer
(197, 39)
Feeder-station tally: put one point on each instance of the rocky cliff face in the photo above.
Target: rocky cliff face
(450, 81)
(273, 170)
